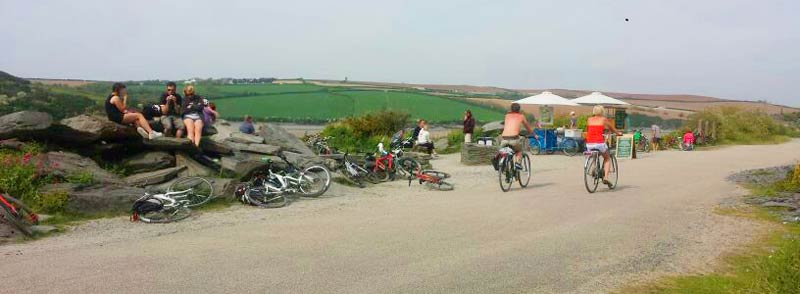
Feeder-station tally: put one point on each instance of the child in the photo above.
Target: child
(688, 141)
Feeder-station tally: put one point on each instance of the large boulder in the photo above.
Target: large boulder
(65, 164)
(24, 124)
(154, 177)
(223, 188)
(243, 165)
(245, 138)
(214, 146)
(149, 161)
(193, 168)
(492, 127)
(276, 135)
(101, 199)
(224, 130)
(89, 128)
(170, 143)
(256, 148)
(474, 154)
(302, 160)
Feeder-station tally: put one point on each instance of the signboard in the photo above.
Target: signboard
(546, 115)
(625, 146)
(619, 118)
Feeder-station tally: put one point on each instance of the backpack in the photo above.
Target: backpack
(143, 206)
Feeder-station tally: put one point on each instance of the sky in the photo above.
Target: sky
(723, 48)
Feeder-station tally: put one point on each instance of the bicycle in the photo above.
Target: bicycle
(432, 179)
(174, 204)
(593, 170)
(508, 171)
(643, 145)
(352, 172)
(12, 211)
(312, 181)
(320, 145)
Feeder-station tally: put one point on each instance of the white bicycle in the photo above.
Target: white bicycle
(175, 203)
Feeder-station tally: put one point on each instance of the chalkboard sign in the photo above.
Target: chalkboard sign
(625, 146)
(619, 118)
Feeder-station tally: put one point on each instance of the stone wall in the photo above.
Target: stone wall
(474, 154)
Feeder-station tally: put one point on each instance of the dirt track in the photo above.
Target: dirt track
(550, 237)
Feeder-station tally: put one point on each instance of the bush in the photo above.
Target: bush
(361, 134)
(456, 137)
(23, 174)
(737, 126)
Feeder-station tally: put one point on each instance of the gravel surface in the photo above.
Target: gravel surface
(551, 237)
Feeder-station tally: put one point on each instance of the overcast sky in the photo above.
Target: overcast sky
(723, 48)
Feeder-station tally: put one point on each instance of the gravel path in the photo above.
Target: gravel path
(550, 237)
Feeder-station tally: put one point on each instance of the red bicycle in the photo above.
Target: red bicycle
(382, 168)
(431, 179)
(17, 214)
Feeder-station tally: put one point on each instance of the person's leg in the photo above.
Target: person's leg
(606, 165)
(467, 138)
(138, 119)
(187, 123)
(179, 128)
(166, 122)
(198, 132)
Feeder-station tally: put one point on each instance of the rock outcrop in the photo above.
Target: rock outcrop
(154, 177)
(24, 124)
(66, 163)
(275, 135)
(91, 128)
(149, 161)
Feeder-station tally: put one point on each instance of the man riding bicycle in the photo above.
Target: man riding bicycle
(595, 127)
(513, 123)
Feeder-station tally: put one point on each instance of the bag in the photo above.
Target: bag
(496, 161)
(143, 206)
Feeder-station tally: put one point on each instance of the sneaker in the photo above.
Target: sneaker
(142, 132)
(518, 166)
(155, 134)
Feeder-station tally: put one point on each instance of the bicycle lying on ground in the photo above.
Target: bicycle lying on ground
(432, 179)
(352, 171)
(508, 171)
(12, 211)
(269, 186)
(593, 170)
(174, 204)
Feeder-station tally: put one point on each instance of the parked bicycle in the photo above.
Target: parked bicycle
(352, 171)
(175, 204)
(644, 144)
(267, 185)
(13, 212)
(431, 179)
(593, 170)
(387, 165)
(508, 171)
(320, 145)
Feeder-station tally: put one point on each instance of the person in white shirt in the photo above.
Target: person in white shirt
(424, 139)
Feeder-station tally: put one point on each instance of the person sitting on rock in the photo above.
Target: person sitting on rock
(117, 111)
(424, 139)
(193, 115)
(247, 126)
(171, 104)
(210, 115)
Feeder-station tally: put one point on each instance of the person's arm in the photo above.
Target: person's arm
(528, 128)
(612, 127)
(118, 103)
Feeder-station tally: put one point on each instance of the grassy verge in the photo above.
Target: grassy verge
(769, 265)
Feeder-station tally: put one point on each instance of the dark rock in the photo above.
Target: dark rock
(223, 188)
(149, 161)
(243, 165)
(41, 229)
(101, 199)
(302, 160)
(779, 204)
(65, 163)
(276, 135)
(170, 143)
(90, 128)
(762, 176)
(154, 177)
(210, 145)
(256, 148)
(12, 144)
(210, 131)
(193, 168)
(245, 138)
(24, 124)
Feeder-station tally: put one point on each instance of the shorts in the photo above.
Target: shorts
(192, 116)
(514, 144)
(171, 122)
(602, 147)
(656, 140)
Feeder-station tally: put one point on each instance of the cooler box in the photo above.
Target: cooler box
(573, 133)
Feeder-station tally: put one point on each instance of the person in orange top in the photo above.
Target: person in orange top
(513, 123)
(595, 127)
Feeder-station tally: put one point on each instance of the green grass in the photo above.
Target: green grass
(329, 105)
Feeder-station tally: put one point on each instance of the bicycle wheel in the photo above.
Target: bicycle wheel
(524, 175)
(261, 197)
(505, 174)
(613, 175)
(441, 186)
(646, 147)
(570, 147)
(380, 174)
(591, 170)
(24, 217)
(408, 166)
(200, 190)
(315, 180)
(166, 215)
(438, 174)
(535, 148)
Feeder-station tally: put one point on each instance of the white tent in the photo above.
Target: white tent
(597, 98)
(546, 98)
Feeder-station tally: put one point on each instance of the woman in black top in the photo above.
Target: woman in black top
(193, 115)
(116, 110)
(469, 126)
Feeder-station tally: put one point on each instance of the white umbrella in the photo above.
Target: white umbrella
(546, 98)
(597, 98)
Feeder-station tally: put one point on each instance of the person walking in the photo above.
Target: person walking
(656, 136)
(469, 126)
(171, 104)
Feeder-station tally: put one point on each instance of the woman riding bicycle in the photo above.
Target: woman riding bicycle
(595, 127)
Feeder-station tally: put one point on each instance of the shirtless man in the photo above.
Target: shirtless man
(513, 123)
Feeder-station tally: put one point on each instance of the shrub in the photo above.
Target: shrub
(737, 126)
(362, 134)
(81, 178)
